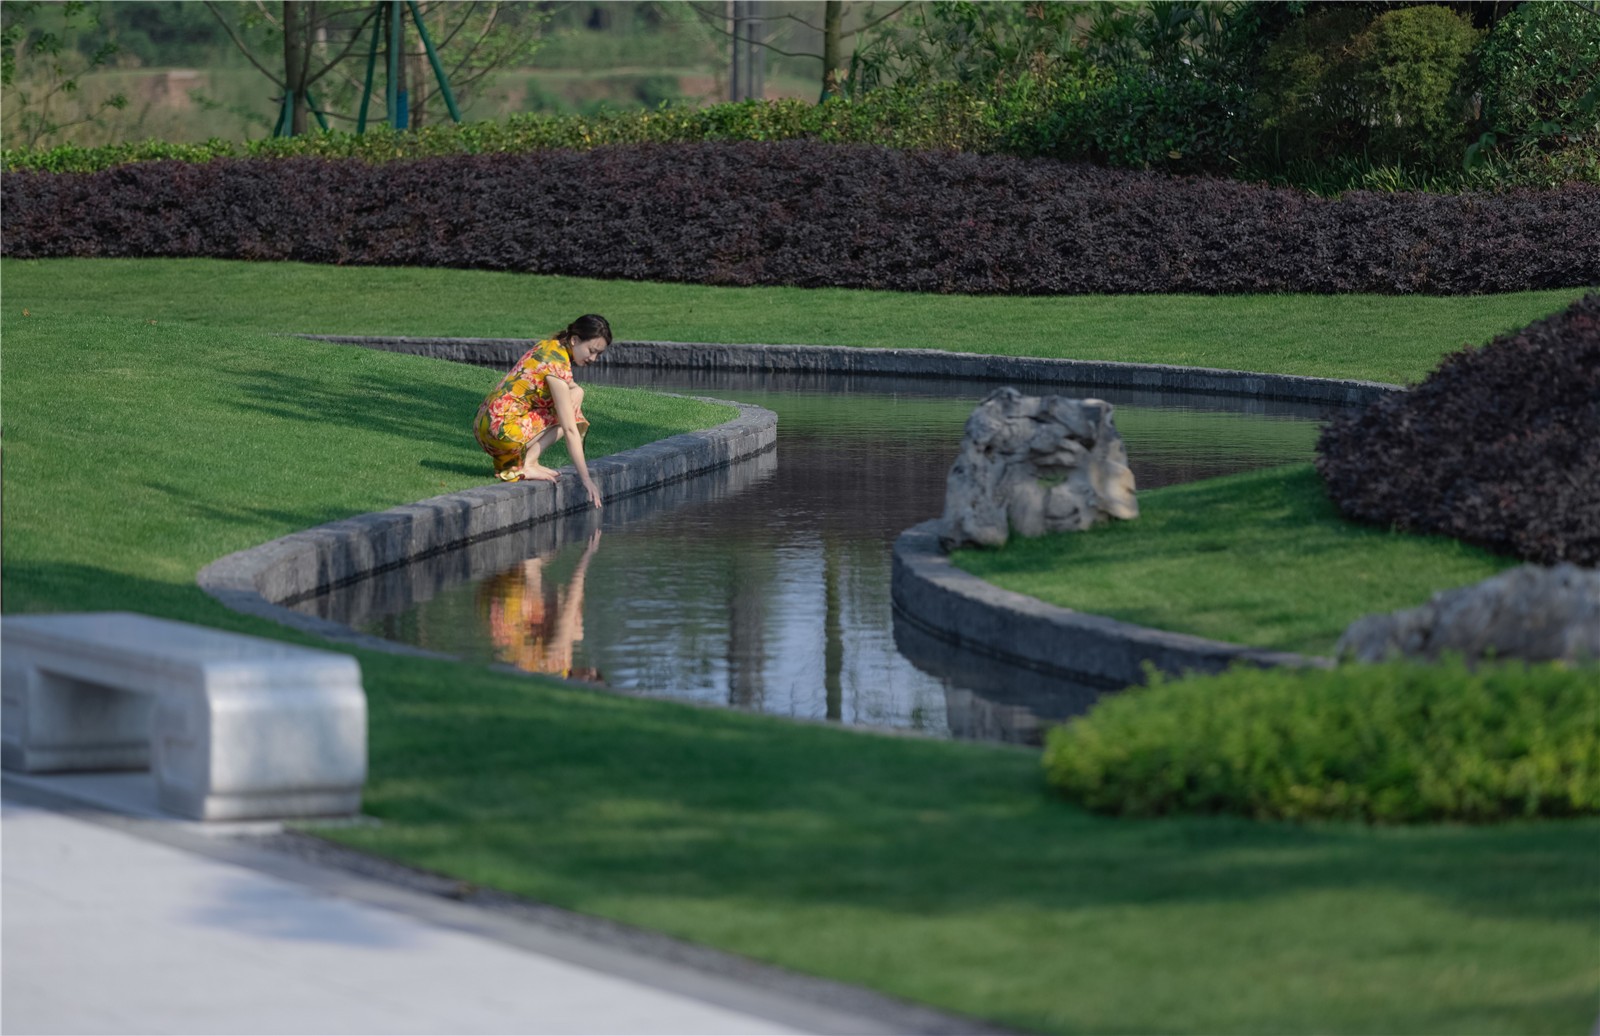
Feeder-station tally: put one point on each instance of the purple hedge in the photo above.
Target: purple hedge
(811, 214)
(1500, 446)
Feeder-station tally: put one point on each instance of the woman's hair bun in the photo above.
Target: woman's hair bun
(590, 325)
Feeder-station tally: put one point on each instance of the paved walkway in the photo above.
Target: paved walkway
(118, 925)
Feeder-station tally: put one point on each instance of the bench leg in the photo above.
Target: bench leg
(54, 723)
(250, 754)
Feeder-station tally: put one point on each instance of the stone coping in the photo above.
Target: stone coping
(933, 595)
(261, 580)
(929, 593)
(933, 363)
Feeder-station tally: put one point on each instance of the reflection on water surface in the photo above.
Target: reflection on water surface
(766, 585)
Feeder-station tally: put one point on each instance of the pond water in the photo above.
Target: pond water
(766, 585)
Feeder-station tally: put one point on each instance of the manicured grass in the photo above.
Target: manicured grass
(152, 449)
(1260, 558)
(1377, 338)
(941, 872)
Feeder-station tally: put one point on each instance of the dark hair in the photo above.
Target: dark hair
(590, 325)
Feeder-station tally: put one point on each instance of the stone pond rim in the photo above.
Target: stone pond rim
(258, 580)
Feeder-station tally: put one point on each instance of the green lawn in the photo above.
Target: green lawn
(1260, 559)
(942, 872)
(149, 450)
(1379, 338)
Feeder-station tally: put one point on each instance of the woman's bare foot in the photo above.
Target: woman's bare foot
(539, 473)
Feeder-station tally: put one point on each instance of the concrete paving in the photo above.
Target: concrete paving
(120, 924)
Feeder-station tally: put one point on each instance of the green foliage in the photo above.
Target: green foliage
(1394, 743)
(1539, 76)
(164, 33)
(1338, 101)
(976, 45)
(1539, 65)
(40, 67)
(1144, 118)
(1335, 85)
(1412, 64)
(936, 117)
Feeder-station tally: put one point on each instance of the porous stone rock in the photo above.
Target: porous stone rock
(1533, 613)
(1032, 465)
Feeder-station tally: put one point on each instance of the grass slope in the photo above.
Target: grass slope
(941, 872)
(153, 449)
(1380, 338)
(1260, 558)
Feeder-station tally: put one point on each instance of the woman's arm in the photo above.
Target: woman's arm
(566, 416)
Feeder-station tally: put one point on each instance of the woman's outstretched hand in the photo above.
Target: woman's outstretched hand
(594, 492)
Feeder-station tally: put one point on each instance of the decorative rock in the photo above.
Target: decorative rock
(1533, 613)
(1035, 465)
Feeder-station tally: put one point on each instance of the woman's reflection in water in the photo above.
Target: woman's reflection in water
(535, 622)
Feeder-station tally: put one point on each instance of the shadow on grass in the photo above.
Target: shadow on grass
(392, 403)
(482, 471)
(396, 405)
(680, 802)
(188, 502)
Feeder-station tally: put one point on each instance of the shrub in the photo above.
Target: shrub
(812, 215)
(1143, 118)
(1412, 64)
(1538, 65)
(940, 116)
(1500, 446)
(1539, 77)
(1336, 85)
(1310, 105)
(1393, 743)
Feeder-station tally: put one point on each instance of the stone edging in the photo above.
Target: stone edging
(932, 594)
(928, 591)
(932, 363)
(258, 581)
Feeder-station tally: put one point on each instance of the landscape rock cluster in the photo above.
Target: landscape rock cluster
(1532, 613)
(1032, 465)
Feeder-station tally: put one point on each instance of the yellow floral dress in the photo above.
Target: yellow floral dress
(520, 408)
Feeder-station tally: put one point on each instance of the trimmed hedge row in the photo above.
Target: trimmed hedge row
(1393, 743)
(809, 214)
(1500, 446)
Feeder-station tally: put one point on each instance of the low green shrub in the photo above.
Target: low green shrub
(1143, 118)
(1340, 83)
(944, 116)
(1540, 64)
(1392, 743)
(1538, 74)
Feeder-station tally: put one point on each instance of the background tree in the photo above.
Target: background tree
(323, 41)
(311, 36)
(754, 26)
(40, 68)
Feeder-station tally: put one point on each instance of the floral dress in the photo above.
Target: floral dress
(520, 408)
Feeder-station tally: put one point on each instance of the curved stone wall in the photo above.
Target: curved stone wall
(927, 363)
(259, 581)
(932, 595)
(956, 607)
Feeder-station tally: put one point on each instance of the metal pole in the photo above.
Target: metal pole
(372, 61)
(392, 88)
(433, 59)
(312, 104)
(285, 115)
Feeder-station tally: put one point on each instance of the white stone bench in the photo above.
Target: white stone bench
(234, 727)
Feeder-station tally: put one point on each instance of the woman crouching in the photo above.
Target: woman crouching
(538, 403)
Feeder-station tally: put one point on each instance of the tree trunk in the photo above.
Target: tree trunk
(832, 44)
(736, 29)
(417, 76)
(296, 43)
(404, 102)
